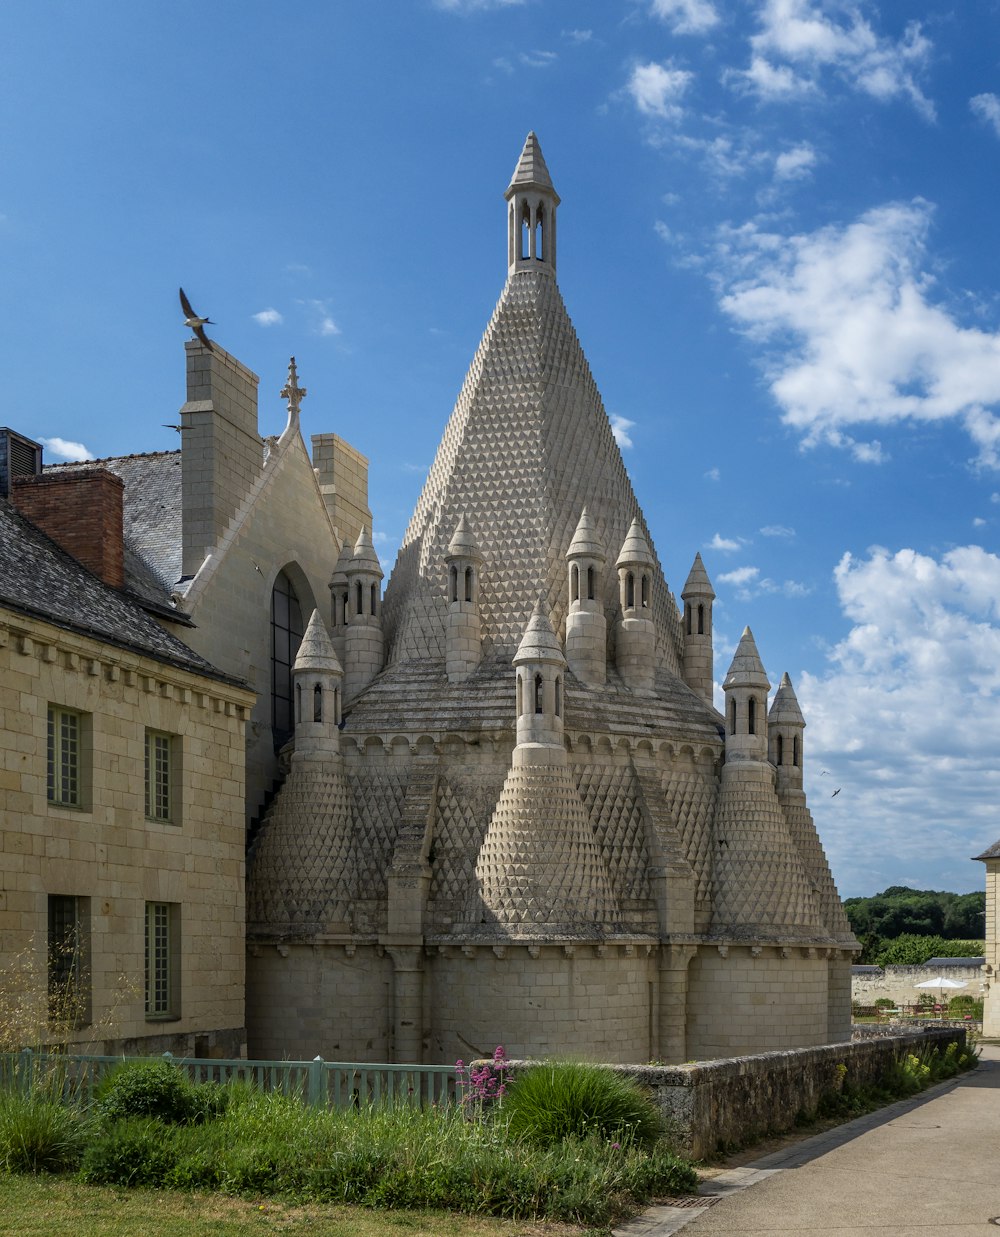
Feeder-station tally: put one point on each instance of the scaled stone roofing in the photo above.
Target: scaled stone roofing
(38, 578)
(152, 519)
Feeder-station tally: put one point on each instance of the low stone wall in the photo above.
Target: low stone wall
(898, 984)
(714, 1105)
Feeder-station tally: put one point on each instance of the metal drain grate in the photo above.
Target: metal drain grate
(696, 1200)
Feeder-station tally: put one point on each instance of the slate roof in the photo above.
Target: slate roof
(152, 519)
(38, 578)
(992, 852)
(935, 964)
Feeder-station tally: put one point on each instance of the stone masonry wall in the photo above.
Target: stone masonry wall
(756, 995)
(898, 983)
(105, 851)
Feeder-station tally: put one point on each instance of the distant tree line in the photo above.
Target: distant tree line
(906, 927)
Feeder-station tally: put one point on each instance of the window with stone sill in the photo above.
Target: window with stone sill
(162, 981)
(68, 963)
(162, 777)
(68, 757)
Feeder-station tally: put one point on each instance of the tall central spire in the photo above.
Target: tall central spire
(531, 213)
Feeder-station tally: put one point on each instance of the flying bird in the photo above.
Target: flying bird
(196, 323)
(836, 792)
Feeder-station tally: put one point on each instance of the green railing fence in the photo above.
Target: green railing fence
(333, 1084)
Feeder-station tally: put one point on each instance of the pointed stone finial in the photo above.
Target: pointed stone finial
(316, 652)
(785, 709)
(586, 542)
(364, 552)
(343, 559)
(539, 642)
(698, 584)
(747, 669)
(531, 169)
(292, 392)
(635, 551)
(463, 544)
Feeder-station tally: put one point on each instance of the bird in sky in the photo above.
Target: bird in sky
(196, 323)
(836, 792)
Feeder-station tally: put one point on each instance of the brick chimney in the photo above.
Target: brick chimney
(81, 510)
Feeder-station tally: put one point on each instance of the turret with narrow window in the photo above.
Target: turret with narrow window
(785, 725)
(636, 643)
(586, 626)
(540, 668)
(698, 596)
(364, 646)
(463, 649)
(317, 679)
(531, 213)
(746, 687)
(340, 599)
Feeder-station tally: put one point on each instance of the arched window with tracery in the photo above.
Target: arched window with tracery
(286, 636)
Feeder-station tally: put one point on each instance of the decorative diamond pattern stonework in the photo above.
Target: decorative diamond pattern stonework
(609, 795)
(804, 835)
(302, 871)
(690, 795)
(379, 792)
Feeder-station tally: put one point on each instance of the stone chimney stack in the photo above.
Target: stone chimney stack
(222, 453)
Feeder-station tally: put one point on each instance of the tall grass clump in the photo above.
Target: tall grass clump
(39, 1133)
(570, 1099)
(158, 1089)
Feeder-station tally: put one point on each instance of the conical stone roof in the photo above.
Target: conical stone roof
(539, 642)
(463, 544)
(785, 709)
(586, 543)
(746, 670)
(697, 584)
(316, 652)
(528, 446)
(531, 169)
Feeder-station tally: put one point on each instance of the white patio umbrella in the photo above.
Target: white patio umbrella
(941, 982)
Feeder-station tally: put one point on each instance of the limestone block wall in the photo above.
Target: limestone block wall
(326, 1000)
(537, 999)
(342, 472)
(286, 528)
(898, 984)
(742, 996)
(105, 852)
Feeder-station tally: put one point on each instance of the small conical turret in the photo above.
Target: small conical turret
(317, 677)
(364, 649)
(531, 213)
(698, 596)
(586, 625)
(636, 644)
(785, 724)
(746, 687)
(539, 665)
(340, 598)
(463, 642)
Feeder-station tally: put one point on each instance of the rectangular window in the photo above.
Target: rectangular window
(162, 960)
(160, 775)
(69, 960)
(65, 757)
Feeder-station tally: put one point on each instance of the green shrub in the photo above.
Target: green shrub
(885, 1002)
(158, 1089)
(568, 1099)
(38, 1133)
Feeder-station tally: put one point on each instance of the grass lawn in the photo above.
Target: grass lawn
(46, 1206)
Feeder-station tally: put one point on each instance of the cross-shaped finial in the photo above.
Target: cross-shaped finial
(291, 390)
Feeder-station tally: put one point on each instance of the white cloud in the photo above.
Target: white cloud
(906, 717)
(475, 6)
(741, 577)
(799, 39)
(323, 322)
(537, 59)
(686, 16)
(987, 108)
(713, 474)
(726, 544)
(620, 427)
(268, 317)
(578, 36)
(67, 450)
(795, 164)
(657, 89)
(853, 336)
(978, 522)
(777, 530)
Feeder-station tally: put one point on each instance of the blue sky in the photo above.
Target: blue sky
(777, 244)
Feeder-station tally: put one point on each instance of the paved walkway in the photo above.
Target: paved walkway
(924, 1167)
